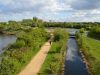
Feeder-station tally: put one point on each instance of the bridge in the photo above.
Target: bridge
(72, 32)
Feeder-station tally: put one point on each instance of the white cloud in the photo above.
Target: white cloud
(71, 10)
(5, 2)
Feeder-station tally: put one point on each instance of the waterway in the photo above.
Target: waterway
(5, 41)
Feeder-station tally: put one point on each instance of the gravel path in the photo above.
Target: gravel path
(35, 64)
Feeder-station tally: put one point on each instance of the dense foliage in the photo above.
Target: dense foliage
(30, 37)
(77, 25)
(95, 32)
(91, 49)
(54, 62)
(13, 27)
(18, 54)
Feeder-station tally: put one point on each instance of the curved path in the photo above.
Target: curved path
(35, 64)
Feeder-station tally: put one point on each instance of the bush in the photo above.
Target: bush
(19, 44)
(9, 66)
(60, 34)
(95, 32)
(82, 30)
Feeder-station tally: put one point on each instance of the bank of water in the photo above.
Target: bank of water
(74, 64)
(5, 41)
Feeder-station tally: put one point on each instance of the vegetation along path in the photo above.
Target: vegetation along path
(35, 64)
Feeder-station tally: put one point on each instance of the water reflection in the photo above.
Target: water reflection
(73, 63)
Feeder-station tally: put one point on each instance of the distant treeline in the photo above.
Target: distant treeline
(35, 22)
(77, 25)
(13, 26)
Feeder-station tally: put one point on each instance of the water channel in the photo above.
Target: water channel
(74, 64)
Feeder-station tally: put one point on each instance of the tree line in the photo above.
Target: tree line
(13, 26)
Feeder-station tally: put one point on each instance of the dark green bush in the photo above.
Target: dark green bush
(95, 32)
(9, 66)
(19, 44)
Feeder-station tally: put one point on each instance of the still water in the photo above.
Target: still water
(6, 40)
(73, 63)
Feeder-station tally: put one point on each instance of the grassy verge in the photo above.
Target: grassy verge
(91, 49)
(54, 62)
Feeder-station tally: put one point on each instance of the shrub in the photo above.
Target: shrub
(9, 66)
(95, 32)
(19, 44)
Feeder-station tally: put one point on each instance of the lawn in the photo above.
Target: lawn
(94, 51)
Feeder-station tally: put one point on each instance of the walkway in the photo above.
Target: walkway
(35, 64)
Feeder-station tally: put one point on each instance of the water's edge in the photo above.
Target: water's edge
(5, 41)
(74, 64)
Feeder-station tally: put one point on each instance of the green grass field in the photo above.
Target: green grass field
(94, 47)
(94, 51)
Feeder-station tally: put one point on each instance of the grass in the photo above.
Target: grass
(91, 49)
(52, 62)
(94, 47)
(94, 51)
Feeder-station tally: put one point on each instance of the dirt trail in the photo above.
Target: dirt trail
(35, 64)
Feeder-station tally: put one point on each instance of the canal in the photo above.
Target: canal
(73, 63)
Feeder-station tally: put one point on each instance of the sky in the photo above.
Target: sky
(55, 10)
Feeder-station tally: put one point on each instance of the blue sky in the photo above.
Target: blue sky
(57, 10)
